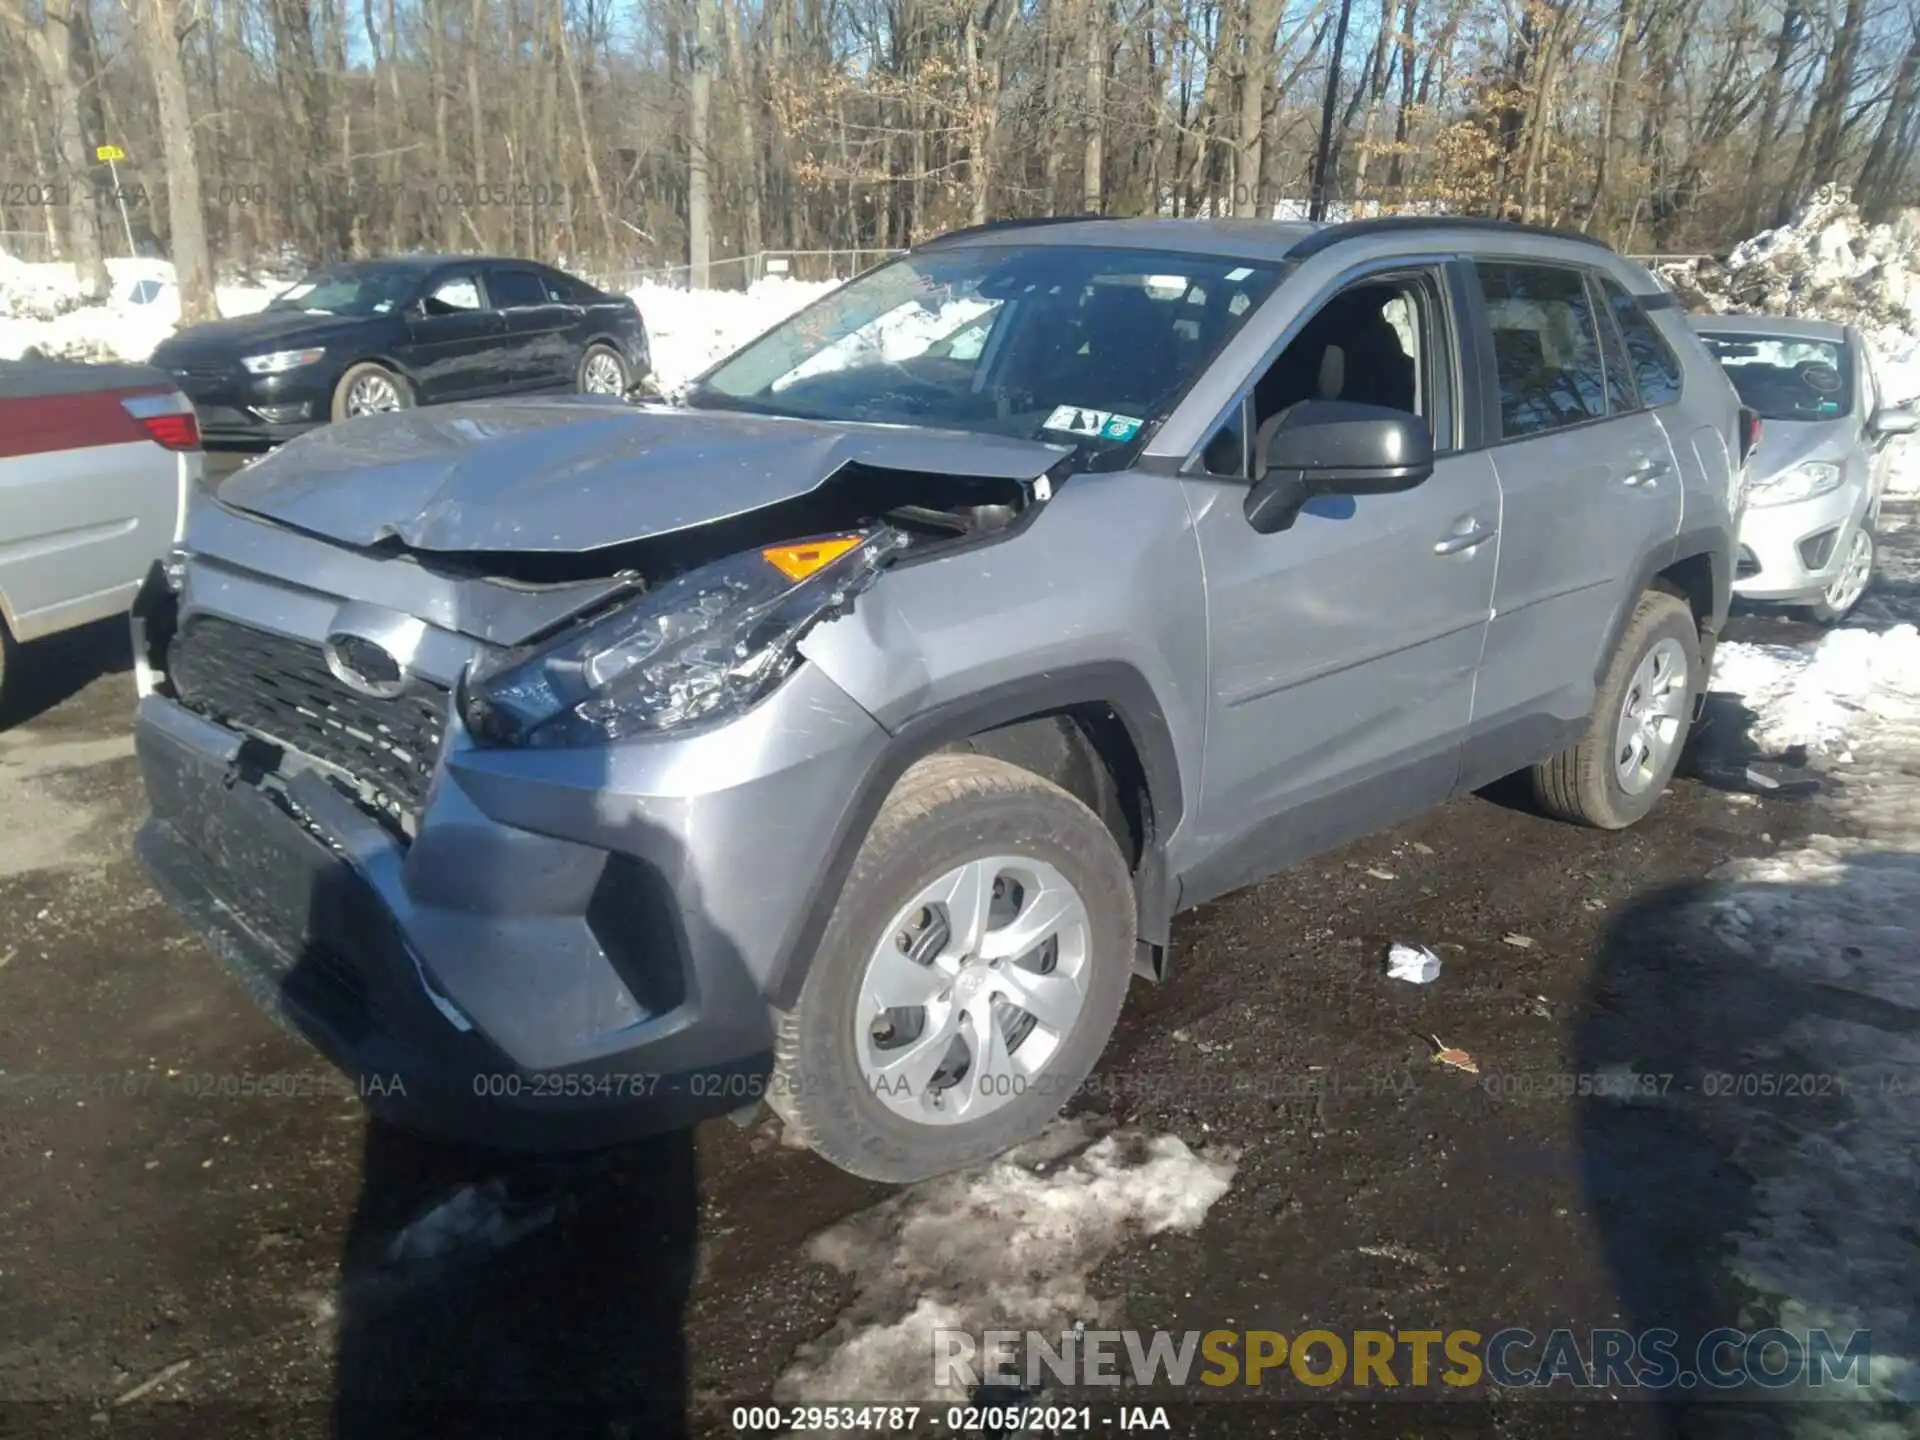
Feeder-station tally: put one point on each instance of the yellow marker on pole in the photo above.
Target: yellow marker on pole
(110, 154)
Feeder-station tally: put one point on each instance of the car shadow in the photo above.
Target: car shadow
(46, 673)
(488, 1291)
(1741, 1166)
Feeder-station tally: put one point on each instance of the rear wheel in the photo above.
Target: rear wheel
(1638, 727)
(968, 979)
(370, 389)
(1836, 602)
(603, 371)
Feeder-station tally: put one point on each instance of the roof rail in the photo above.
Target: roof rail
(993, 226)
(1332, 235)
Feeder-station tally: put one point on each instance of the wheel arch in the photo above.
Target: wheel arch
(1096, 730)
(1696, 570)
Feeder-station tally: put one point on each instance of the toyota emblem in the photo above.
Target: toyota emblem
(364, 665)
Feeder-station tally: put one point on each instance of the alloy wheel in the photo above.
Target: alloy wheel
(1650, 717)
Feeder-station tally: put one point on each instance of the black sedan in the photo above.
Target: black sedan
(355, 338)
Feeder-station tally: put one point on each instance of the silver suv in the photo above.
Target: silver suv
(849, 737)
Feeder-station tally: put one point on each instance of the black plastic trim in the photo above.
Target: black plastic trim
(1112, 683)
(1338, 234)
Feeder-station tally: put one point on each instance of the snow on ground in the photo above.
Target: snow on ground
(40, 309)
(691, 329)
(1009, 1245)
(1836, 920)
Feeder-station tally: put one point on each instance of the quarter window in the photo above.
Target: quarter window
(1656, 369)
(1546, 348)
(1621, 395)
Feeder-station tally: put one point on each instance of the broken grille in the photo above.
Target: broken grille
(282, 691)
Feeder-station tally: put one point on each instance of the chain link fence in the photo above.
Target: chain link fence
(737, 272)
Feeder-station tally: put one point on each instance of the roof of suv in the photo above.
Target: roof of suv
(1240, 238)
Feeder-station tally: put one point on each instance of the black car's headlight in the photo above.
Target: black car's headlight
(702, 646)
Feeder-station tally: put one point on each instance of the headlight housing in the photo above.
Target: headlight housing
(702, 646)
(1803, 482)
(281, 361)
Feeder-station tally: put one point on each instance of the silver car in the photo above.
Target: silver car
(851, 736)
(1815, 480)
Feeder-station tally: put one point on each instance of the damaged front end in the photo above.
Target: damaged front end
(702, 646)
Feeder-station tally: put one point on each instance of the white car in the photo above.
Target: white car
(96, 464)
(1815, 480)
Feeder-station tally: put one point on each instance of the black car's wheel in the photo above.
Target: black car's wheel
(968, 979)
(370, 389)
(603, 371)
(1639, 724)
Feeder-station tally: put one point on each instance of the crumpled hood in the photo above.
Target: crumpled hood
(569, 475)
(1787, 443)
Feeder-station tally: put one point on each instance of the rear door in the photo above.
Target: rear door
(457, 343)
(1343, 649)
(1589, 491)
(539, 327)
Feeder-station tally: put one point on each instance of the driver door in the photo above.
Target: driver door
(1343, 649)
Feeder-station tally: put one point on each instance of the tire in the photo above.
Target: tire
(1585, 783)
(369, 372)
(1840, 598)
(603, 359)
(952, 816)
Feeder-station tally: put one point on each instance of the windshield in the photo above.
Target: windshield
(351, 291)
(1059, 343)
(1784, 377)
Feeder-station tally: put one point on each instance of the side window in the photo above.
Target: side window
(454, 294)
(1656, 369)
(562, 291)
(1546, 348)
(1622, 395)
(509, 289)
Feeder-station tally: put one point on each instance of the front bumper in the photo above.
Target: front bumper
(1790, 553)
(238, 409)
(574, 949)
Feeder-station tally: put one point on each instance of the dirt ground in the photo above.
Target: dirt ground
(177, 1257)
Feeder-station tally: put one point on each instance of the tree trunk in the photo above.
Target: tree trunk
(1094, 119)
(1878, 189)
(699, 153)
(594, 187)
(1322, 179)
(50, 42)
(1262, 17)
(1771, 90)
(186, 214)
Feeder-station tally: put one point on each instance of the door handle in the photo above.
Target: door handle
(1474, 534)
(1647, 471)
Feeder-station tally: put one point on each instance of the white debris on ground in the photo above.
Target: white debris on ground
(1010, 1245)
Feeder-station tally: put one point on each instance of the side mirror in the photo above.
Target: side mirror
(1333, 447)
(1895, 420)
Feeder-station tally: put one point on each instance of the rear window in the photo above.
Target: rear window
(1785, 377)
(508, 288)
(1546, 348)
(1656, 369)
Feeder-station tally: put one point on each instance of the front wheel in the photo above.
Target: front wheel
(370, 389)
(968, 979)
(1836, 602)
(1638, 726)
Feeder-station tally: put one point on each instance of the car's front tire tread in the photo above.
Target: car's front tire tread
(934, 795)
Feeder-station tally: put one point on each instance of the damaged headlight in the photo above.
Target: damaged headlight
(703, 645)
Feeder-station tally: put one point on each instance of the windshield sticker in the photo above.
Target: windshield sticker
(1076, 420)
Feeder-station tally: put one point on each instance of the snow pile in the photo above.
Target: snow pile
(40, 309)
(1011, 1245)
(690, 330)
(1829, 264)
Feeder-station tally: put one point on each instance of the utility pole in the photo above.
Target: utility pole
(1317, 202)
